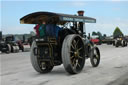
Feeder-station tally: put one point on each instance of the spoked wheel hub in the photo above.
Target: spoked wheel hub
(75, 53)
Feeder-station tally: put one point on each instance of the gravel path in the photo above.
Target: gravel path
(16, 69)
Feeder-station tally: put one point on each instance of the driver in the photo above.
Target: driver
(42, 29)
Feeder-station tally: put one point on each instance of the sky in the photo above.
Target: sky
(108, 13)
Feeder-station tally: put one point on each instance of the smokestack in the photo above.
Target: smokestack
(81, 24)
(80, 13)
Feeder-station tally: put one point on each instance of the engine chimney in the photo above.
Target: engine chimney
(81, 13)
(81, 25)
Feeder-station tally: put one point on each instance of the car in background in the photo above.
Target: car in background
(95, 39)
(108, 40)
(10, 40)
(120, 41)
(4, 48)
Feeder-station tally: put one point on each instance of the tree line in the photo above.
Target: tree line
(117, 32)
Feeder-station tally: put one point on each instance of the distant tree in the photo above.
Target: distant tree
(94, 33)
(117, 32)
(100, 35)
(104, 35)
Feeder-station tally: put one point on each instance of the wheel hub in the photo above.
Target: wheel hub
(76, 54)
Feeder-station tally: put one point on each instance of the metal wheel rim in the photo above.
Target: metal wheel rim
(76, 54)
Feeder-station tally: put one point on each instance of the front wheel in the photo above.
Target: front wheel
(39, 66)
(8, 48)
(95, 56)
(116, 44)
(73, 54)
(123, 43)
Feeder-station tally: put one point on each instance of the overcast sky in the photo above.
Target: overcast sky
(109, 14)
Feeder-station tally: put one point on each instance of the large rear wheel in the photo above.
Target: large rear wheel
(73, 54)
(39, 66)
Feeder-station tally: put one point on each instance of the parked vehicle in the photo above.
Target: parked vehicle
(24, 45)
(126, 38)
(108, 40)
(4, 47)
(71, 48)
(10, 40)
(95, 39)
(120, 41)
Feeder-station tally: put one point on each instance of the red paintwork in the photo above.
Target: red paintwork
(95, 40)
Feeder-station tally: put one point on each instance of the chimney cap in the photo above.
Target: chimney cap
(80, 12)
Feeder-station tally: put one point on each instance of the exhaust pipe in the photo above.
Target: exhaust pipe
(81, 13)
(81, 25)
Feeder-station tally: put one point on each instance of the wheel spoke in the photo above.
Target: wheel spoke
(77, 42)
(73, 62)
(78, 64)
(72, 46)
(74, 43)
(97, 57)
(72, 57)
(79, 48)
(80, 57)
(71, 52)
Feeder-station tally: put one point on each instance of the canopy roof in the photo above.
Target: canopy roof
(38, 17)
